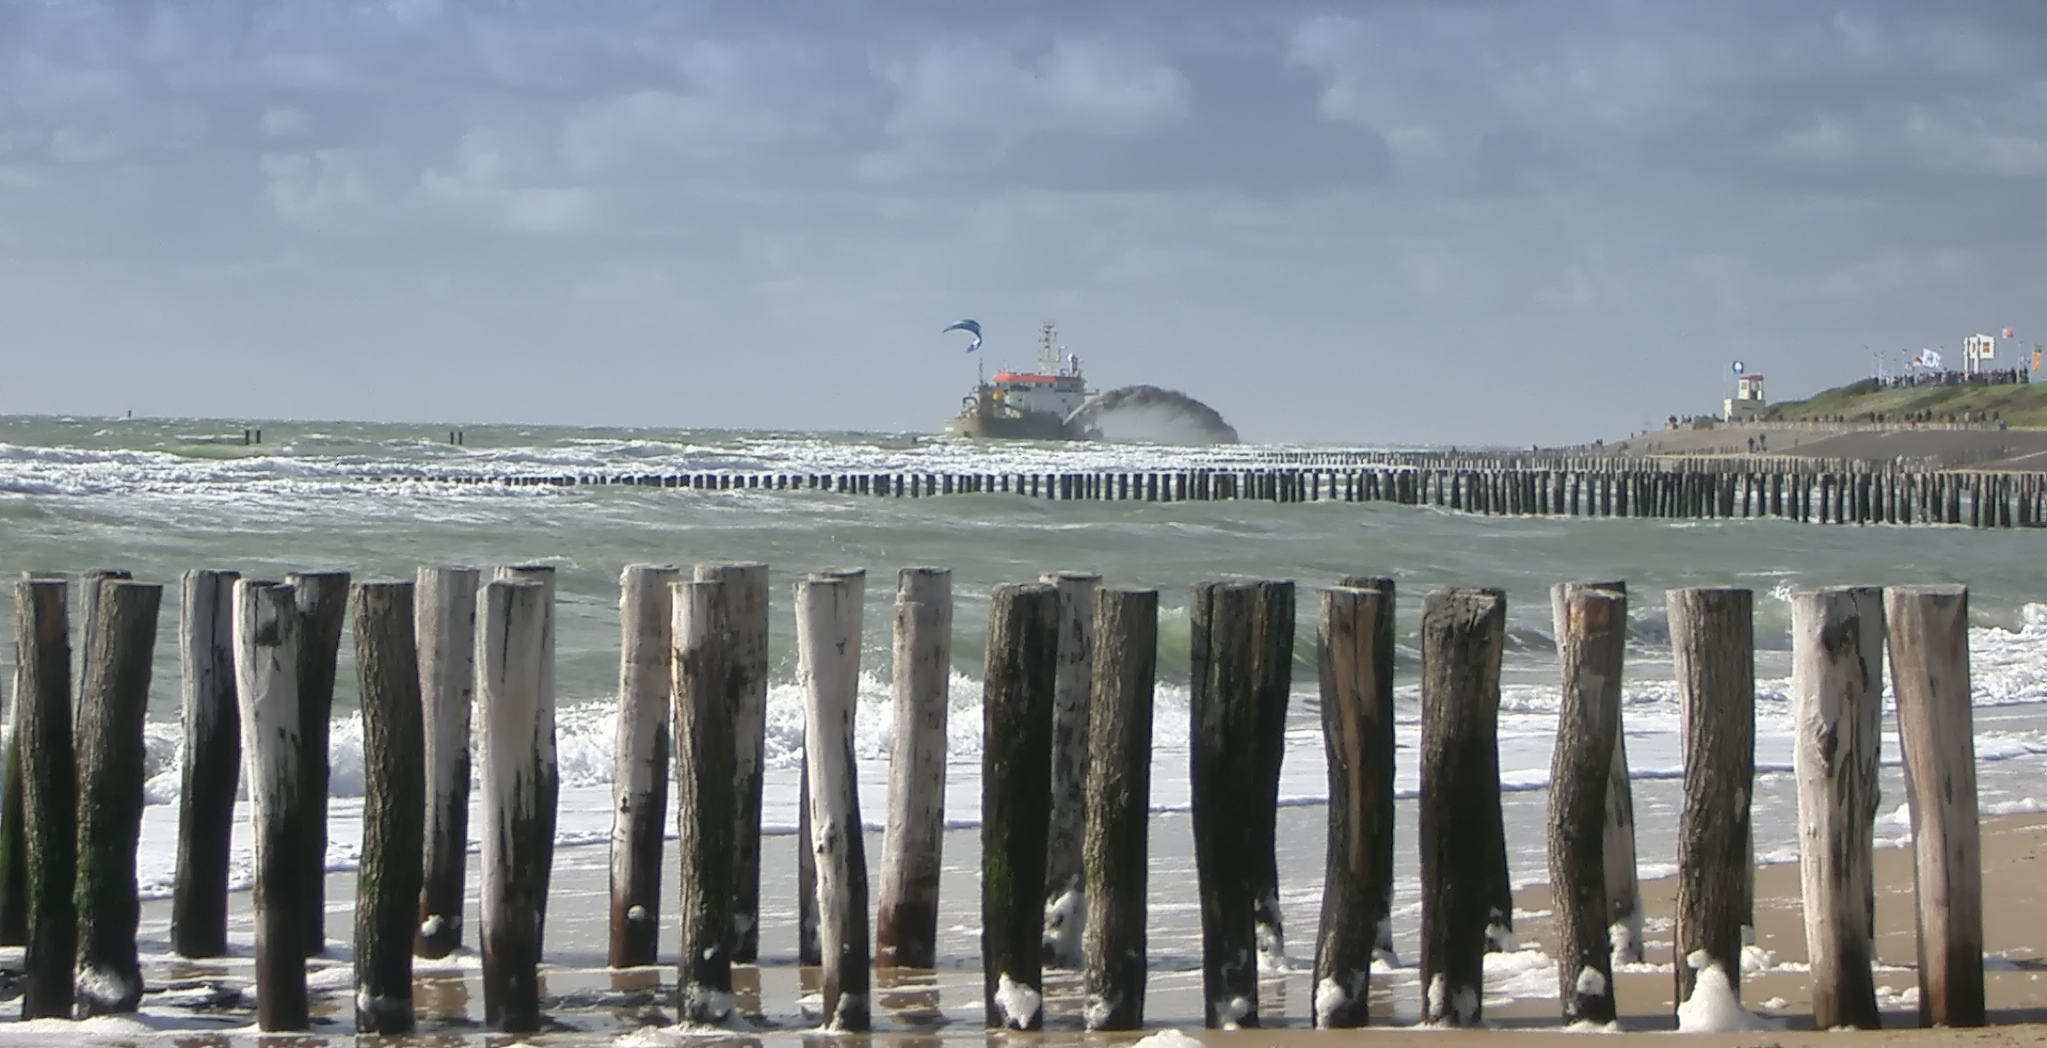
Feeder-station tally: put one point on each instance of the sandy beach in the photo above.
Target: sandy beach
(209, 1002)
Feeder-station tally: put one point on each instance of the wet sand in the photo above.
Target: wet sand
(208, 1003)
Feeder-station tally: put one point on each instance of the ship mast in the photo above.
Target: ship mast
(1048, 349)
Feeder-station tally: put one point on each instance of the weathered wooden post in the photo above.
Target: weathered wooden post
(13, 844)
(42, 645)
(1837, 699)
(1225, 658)
(1382, 764)
(1273, 651)
(706, 795)
(1713, 647)
(1357, 736)
(906, 925)
(1929, 647)
(1016, 772)
(511, 630)
(639, 780)
(444, 642)
(1591, 634)
(322, 598)
(1623, 892)
(394, 803)
(1115, 849)
(1463, 843)
(808, 949)
(1065, 898)
(112, 706)
(550, 772)
(746, 617)
(211, 769)
(267, 633)
(827, 630)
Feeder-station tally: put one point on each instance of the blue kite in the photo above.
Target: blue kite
(972, 327)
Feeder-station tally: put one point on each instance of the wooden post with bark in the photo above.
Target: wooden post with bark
(906, 924)
(746, 617)
(1224, 713)
(1837, 638)
(639, 778)
(511, 632)
(1016, 774)
(444, 639)
(212, 765)
(548, 785)
(1382, 763)
(112, 706)
(1116, 847)
(1065, 898)
(827, 631)
(1712, 638)
(809, 950)
(322, 603)
(1591, 632)
(1623, 890)
(267, 634)
(1463, 843)
(42, 645)
(394, 804)
(1929, 648)
(1353, 660)
(1273, 652)
(704, 685)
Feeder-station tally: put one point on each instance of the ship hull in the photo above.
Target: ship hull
(1023, 427)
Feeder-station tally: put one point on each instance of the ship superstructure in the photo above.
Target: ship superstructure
(1028, 404)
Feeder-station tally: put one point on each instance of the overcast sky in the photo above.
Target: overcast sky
(1345, 221)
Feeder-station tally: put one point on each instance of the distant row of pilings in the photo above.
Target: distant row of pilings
(1824, 491)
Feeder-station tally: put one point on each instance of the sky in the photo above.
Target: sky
(1459, 221)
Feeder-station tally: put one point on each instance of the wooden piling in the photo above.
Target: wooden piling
(906, 924)
(112, 705)
(1357, 734)
(639, 780)
(1713, 648)
(322, 602)
(387, 886)
(1929, 655)
(42, 645)
(1016, 772)
(1115, 846)
(1381, 765)
(1224, 712)
(1623, 892)
(746, 617)
(444, 642)
(549, 784)
(1273, 680)
(1065, 898)
(827, 622)
(211, 769)
(1591, 636)
(1837, 702)
(511, 633)
(706, 796)
(808, 949)
(1463, 847)
(267, 633)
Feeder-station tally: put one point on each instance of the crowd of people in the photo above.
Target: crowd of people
(1916, 379)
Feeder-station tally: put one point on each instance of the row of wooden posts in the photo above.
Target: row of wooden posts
(1067, 711)
(1986, 499)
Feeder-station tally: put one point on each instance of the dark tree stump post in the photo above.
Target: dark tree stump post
(705, 687)
(113, 704)
(1357, 734)
(1382, 765)
(1463, 844)
(394, 805)
(1273, 642)
(1224, 712)
(1065, 901)
(1837, 700)
(212, 763)
(267, 626)
(322, 603)
(1592, 635)
(746, 602)
(1016, 763)
(1115, 848)
(1929, 644)
(1713, 644)
(42, 645)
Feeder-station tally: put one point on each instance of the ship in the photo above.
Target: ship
(1028, 405)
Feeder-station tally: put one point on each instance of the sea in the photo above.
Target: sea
(157, 497)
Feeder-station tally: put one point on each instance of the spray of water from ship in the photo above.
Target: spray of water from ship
(1151, 415)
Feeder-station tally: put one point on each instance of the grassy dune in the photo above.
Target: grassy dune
(2021, 406)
